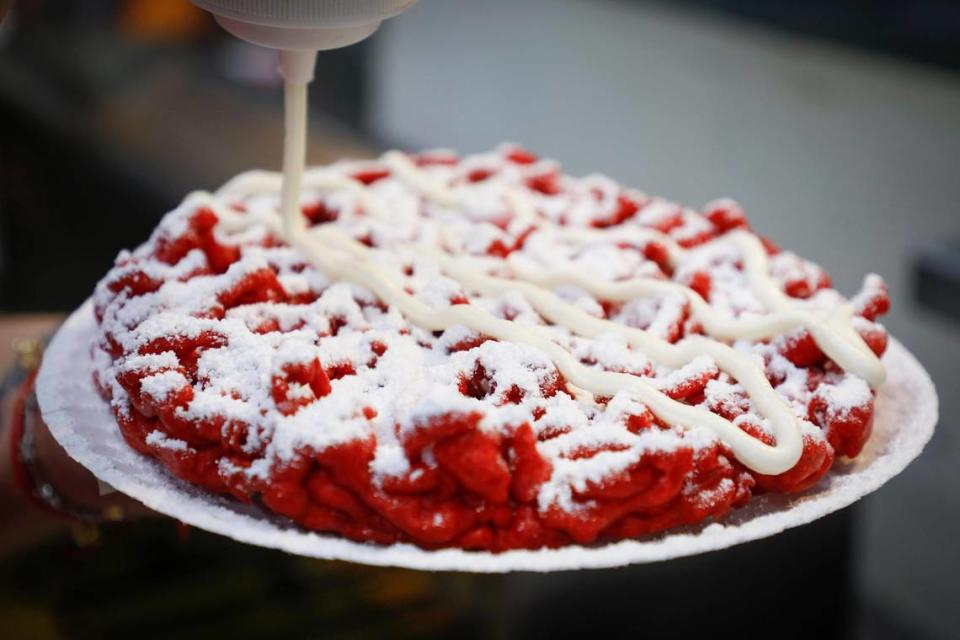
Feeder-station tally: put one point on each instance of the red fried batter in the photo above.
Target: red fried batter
(468, 486)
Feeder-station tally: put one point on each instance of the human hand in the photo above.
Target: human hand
(24, 522)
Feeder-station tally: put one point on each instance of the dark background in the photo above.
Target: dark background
(836, 124)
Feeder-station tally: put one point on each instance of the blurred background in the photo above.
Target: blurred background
(836, 123)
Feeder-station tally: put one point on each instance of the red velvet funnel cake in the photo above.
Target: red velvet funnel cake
(482, 352)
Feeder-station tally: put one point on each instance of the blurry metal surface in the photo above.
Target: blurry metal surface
(925, 30)
(938, 279)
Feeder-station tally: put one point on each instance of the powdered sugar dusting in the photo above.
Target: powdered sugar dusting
(160, 439)
(159, 385)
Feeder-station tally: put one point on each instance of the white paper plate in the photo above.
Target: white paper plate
(906, 412)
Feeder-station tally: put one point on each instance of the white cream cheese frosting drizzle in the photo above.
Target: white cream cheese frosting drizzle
(341, 257)
(830, 330)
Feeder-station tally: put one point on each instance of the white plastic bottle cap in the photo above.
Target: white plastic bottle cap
(300, 28)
